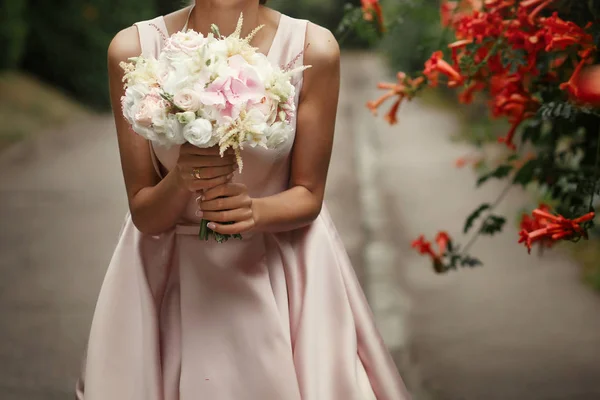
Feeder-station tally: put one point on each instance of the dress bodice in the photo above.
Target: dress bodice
(265, 172)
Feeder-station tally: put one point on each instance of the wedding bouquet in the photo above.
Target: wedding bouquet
(210, 91)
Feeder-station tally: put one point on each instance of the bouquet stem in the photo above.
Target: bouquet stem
(205, 233)
(204, 230)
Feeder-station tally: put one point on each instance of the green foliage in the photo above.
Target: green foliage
(68, 40)
(533, 90)
(13, 32)
(500, 172)
(492, 225)
(456, 258)
(64, 42)
(415, 33)
(526, 173)
(164, 7)
(353, 27)
(330, 14)
(474, 215)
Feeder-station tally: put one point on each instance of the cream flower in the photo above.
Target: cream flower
(200, 133)
(187, 100)
(186, 117)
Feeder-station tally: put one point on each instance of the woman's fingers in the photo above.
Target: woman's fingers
(225, 203)
(232, 229)
(195, 185)
(188, 148)
(228, 190)
(192, 160)
(210, 172)
(239, 214)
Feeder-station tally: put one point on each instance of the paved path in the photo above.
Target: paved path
(520, 328)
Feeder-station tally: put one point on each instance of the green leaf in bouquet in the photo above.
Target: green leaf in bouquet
(215, 30)
(220, 238)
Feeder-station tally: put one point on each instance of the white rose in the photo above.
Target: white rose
(187, 100)
(149, 116)
(200, 133)
(131, 100)
(185, 42)
(145, 132)
(256, 121)
(186, 117)
(174, 130)
(211, 113)
(278, 134)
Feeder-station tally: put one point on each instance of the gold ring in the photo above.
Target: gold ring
(196, 173)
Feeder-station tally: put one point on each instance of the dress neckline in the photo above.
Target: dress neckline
(271, 48)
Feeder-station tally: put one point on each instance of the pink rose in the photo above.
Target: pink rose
(151, 106)
(188, 100)
(268, 107)
(186, 42)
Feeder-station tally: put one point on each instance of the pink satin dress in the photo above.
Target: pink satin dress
(271, 317)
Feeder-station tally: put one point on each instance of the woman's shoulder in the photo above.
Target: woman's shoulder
(322, 48)
(124, 45)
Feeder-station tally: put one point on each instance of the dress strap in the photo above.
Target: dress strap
(293, 42)
(153, 33)
(187, 21)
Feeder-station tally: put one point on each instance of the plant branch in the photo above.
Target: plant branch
(489, 213)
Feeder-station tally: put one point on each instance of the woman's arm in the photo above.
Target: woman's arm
(156, 205)
(311, 154)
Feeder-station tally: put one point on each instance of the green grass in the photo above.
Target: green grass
(28, 107)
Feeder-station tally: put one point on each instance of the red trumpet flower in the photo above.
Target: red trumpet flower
(424, 247)
(573, 84)
(544, 226)
(404, 88)
(560, 34)
(436, 65)
(533, 8)
(498, 4)
(453, 11)
(370, 8)
(517, 107)
(587, 85)
(531, 224)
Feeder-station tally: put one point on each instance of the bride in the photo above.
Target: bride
(278, 315)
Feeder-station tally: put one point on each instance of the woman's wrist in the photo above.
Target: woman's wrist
(176, 184)
(285, 211)
(259, 223)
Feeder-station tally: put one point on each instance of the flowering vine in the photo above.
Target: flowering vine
(533, 60)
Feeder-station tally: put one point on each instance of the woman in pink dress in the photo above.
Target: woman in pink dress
(278, 315)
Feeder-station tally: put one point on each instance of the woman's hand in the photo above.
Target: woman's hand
(203, 169)
(229, 209)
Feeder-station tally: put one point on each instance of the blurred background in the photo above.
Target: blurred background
(521, 327)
